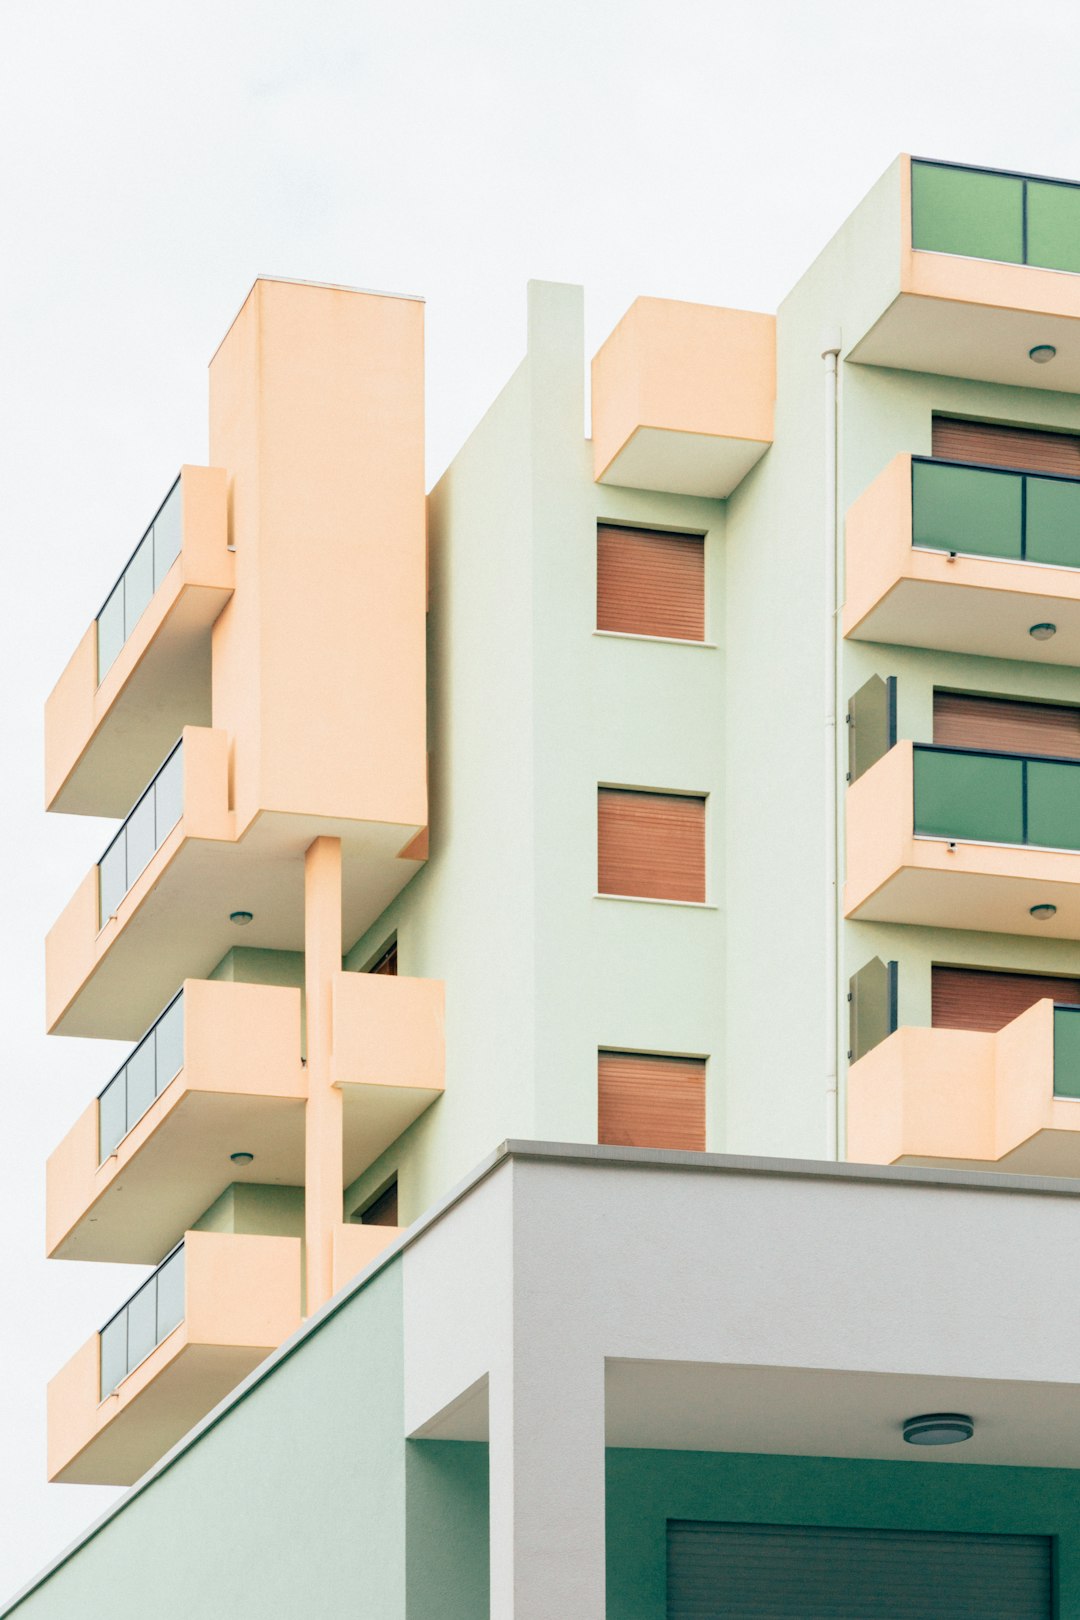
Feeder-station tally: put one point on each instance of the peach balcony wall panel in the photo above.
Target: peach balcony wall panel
(355, 1247)
(912, 596)
(389, 1058)
(241, 1300)
(240, 1087)
(965, 1097)
(104, 739)
(316, 407)
(683, 397)
(954, 316)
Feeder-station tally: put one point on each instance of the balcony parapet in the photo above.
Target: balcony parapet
(98, 978)
(389, 1058)
(114, 711)
(241, 1298)
(949, 302)
(960, 849)
(232, 1082)
(1007, 1099)
(965, 559)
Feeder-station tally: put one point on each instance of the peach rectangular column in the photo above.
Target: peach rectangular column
(324, 1135)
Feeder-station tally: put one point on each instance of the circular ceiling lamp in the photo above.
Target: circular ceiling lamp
(938, 1429)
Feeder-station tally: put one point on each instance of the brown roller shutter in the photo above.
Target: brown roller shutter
(975, 998)
(651, 844)
(962, 720)
(992, 445)
(651, 1101)
(649, 583)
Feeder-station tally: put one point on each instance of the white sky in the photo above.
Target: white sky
(157, 158)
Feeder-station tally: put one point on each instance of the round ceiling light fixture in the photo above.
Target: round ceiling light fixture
(1042, 632)
(241, 918)
(1044, 912)
(938, 1429)
(1042, 353)
(242, 1158)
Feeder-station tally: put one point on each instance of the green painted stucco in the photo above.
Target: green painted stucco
(646, 1488)
(292, 1506)
(446, 1489)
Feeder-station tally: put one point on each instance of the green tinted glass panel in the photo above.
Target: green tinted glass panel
(1067, 1051)
(112, 877)
(139, 833)
(1053, 225)
(138, 584)
(1053, 817)
(973, 796)
(966, 509)
(967, 211)
(1053, 522)
(170, 1295)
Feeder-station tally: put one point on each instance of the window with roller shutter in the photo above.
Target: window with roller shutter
(650, 583)
(993, 445)
(648, 1100)
(651, 845)
(979, 998)
(1006, 725)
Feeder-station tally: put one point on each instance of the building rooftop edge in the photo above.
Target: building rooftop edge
(328, 286)
(565, 1153)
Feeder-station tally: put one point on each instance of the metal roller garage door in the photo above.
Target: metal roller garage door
(796, 1572)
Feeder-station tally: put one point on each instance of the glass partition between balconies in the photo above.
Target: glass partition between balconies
(1067, 1052)
(994, 214)
(992, 512)
(156, 1061)
(143, 833)
(130, 596)
(990, 798)
(149, 1316)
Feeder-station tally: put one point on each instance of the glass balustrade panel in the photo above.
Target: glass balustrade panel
(976, 797)
(967, 211)
(966, 509)
(114, 1356)
(112, 878)
(1053, 804)
(167, 533)
(141, 1080)
(141, 835)
(170, 1295)
(1067, 1052)
(112, 1114)
(1053, 521)
(138, 584)
(1053, 225)
(142, 1323)
(131, 595)
(110, 630)
(169, 1034)
(168, 796)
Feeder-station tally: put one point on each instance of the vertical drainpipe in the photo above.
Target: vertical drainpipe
(830, 353)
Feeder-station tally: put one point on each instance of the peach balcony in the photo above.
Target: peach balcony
(1008, 1100)
(682, 397)
(975, 268)
(205, 1319)
(132, 685)
(389, 1058)
(965, 559)
(958, 838)
(219, 1072)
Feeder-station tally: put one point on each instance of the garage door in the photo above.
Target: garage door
(794, 1572)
